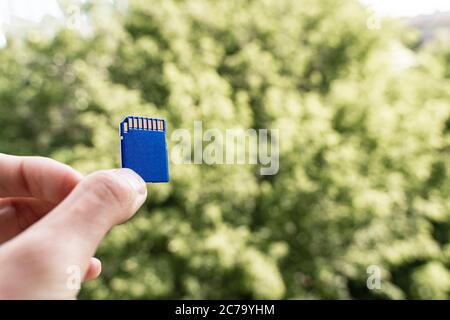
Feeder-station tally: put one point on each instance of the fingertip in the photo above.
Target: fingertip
(94, 269)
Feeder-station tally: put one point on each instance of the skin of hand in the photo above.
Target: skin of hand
(51, 221)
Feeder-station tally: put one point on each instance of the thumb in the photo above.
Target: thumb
(69, 235)
(99, 202)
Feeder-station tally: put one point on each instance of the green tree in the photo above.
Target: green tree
(364, 154)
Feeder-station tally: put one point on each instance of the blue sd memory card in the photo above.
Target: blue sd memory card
(144, 148)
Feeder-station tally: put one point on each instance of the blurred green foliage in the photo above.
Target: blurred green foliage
(364, 155)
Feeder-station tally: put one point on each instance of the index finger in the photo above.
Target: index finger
(36, 177)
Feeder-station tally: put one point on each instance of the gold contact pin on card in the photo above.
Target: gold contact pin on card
(154, 125)
(145, 123)
(135, 123)
(130, 123)
(160, 125)
(140, 123)
(125, 127)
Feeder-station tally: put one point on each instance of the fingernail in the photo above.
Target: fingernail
(136, 182)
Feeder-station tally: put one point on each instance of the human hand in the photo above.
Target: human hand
(52, 220)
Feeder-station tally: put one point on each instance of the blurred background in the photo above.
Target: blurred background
(359, 91)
